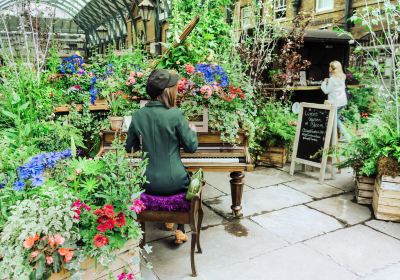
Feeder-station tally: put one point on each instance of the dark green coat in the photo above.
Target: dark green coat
(163, 132)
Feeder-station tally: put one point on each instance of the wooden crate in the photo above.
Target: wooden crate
(364, 189)
(386, 198)
(274, 156)
(124, 259)
(99, 105)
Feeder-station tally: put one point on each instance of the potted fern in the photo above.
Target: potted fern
(275, 133)
(116, 102)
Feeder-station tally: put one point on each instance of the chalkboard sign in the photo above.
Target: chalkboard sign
(313, 132)
(313, 136)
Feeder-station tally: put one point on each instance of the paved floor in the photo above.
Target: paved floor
(293, 228)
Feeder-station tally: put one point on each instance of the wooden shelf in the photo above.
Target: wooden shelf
(100, 105)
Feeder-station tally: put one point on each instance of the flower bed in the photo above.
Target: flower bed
(74, 216)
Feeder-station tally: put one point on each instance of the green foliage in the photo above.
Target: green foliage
(44, 215)
(363, 153)
(209, 40)
(273, 126)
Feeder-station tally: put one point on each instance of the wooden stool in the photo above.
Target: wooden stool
(193, 217)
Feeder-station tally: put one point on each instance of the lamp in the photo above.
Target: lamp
(103, 32)
(145, 8)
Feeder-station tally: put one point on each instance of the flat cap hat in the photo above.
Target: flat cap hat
(159, 80)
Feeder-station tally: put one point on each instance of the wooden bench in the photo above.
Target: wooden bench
(194, 217)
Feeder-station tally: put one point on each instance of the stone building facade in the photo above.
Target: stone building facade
(326, 14)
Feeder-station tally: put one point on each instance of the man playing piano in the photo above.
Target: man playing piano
(160, 130)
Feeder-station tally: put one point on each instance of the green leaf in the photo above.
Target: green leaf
(56, 262)
(23, 107)
(9, 114)
(40, 268)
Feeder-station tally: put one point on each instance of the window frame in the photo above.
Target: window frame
(280, 9)
(248, 10)
(318, 10)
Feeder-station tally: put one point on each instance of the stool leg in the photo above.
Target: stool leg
(143, 227)
(192, 248)
(199, 222)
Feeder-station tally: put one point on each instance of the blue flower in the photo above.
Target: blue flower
(66, 154)
(93, 80)
(19, 186)
(3, 183)
(37, 181)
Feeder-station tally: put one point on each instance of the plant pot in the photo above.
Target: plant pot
(116, 123)
(364, 189)
(386, 199)
(274, 156)
(125, 258)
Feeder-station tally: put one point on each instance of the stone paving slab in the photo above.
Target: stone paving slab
(260, 201)
(264, 177)
(343, 209)
(312, 187)
(389, 273)
(390, 228)
(297, 223)
(222, 245)
(211, 192)
(359, 248)
(155, 231)
(296, 262)
(221, 181)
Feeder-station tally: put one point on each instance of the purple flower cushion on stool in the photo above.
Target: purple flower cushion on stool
(172, 203)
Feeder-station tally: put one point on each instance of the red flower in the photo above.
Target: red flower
(99, 212)
(190, 69)
(120, 220)
(109, 224)
(181, 84)
(100, 240)
(109, 211)
(102, 219)
(51, 95)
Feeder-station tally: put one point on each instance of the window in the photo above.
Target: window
(324, 5)
(279, 9)
(246, 14)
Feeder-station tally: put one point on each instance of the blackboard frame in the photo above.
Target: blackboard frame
(330, 131)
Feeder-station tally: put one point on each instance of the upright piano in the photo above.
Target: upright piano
(212, 155)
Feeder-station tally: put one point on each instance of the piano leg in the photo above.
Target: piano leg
(237, 185)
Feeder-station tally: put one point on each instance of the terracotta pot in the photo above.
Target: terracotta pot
(116, 123)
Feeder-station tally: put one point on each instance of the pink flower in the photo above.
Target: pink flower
(91, 74)
(127, 83)
(68, 256)
(30, 241)
(52, 242)
(132, 80)
(49, 260)
(125, 276)
(139, 74)
(78, 171)
(190, 69)
(132, 74)
(77, 207)
(207, 91)
(34, 254)
(77, 87)
(138, 206)
(59, 239)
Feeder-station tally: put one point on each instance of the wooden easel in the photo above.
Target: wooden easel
(330, 140)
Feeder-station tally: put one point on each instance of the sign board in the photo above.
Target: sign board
(315, 127)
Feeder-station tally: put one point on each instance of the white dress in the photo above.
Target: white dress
(336, 91)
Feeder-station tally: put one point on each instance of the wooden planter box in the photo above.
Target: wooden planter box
(99, 105)
(124, 259)
(364, 189)
(274, 156)
(386, 198)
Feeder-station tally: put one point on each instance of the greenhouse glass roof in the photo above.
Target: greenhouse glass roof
(88, 14)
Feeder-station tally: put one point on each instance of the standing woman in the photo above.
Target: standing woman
(335, 88)
(162, 130)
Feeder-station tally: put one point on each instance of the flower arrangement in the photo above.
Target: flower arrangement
(81, 208)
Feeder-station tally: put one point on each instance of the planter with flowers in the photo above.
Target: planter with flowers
(116, 102)
(75, 217)
(226, 95)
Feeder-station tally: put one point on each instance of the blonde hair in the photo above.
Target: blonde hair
(337, 69)
(168, 97)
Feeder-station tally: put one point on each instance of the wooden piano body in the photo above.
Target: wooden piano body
(212, 155)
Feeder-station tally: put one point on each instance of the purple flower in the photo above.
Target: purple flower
(66, 154)
(19, 186)
(37, 181)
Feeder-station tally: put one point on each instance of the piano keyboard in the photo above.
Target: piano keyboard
(198, 160)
